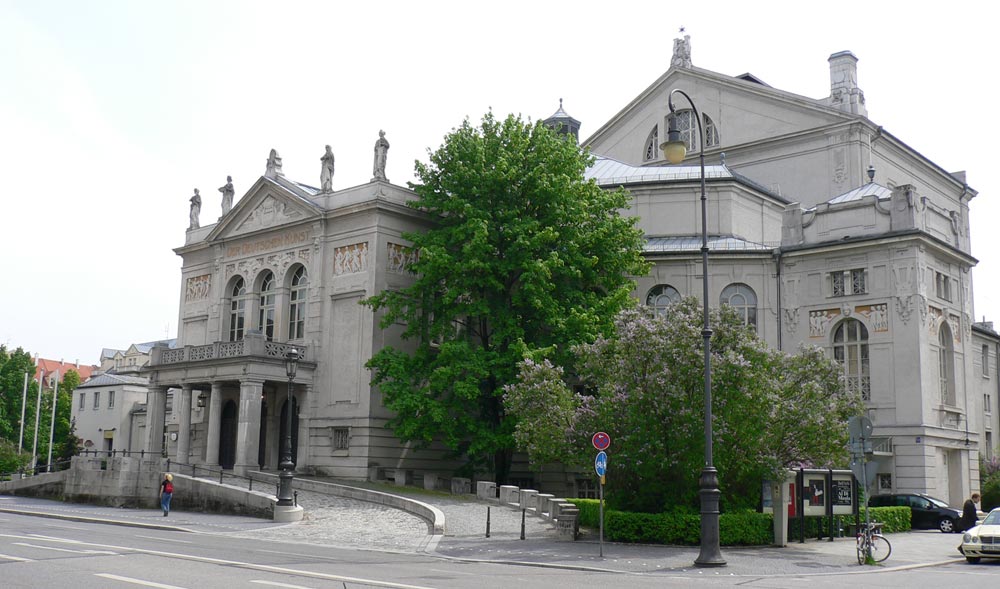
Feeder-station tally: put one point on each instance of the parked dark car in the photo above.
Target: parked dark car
(928, 512)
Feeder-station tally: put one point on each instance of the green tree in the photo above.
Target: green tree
(771, 410)
(13, 366)
(524, 254)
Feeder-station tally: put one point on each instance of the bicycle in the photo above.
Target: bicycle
(871, 541)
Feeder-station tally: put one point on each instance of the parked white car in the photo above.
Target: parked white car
(983, 540)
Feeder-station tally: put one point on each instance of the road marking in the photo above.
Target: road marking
(64, 549)
(234, 563)
(16, 558)
(294, 554)
(164, 539)
(136, 581)
(63, 527)
(273, 584)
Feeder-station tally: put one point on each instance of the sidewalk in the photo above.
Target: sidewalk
(357, 524)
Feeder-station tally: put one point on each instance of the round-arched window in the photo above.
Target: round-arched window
(662, 296)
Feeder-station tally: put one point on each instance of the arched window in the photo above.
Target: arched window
(850, 350)
(297, 305)
(237, 310)
(265, 318)
(742, 298)
(652, 150)
(689, 129)
(662, 296)
(946, 364)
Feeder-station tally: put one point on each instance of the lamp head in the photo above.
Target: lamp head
(291, 362)
(674, 149)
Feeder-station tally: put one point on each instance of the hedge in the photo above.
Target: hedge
(743, 528)
(735, 529)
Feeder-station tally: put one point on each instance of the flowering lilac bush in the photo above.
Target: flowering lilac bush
(644, 385)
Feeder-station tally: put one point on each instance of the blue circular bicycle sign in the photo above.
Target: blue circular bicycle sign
(601, 463)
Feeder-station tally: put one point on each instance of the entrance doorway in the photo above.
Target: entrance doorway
(227, 436)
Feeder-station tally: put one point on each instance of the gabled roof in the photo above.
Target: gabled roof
(274, 198)
(692, 243)
(871, 189)
(51, 366)
(107, 380)
(608, 172)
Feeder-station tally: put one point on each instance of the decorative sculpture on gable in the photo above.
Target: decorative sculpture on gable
(682, 53)
(273, 165)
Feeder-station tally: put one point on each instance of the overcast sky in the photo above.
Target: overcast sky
(111, 113)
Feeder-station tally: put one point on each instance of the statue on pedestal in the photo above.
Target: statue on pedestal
(227, 195)
(273, 165)
(381, 148)
(326, 174)
(195, 209)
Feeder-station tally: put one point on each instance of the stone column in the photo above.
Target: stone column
(302, 395)
(184, 430)
(214, 425)
(156, 412)
(248, 429)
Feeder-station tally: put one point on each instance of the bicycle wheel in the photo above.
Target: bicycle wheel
(881, 549)
(861, 549)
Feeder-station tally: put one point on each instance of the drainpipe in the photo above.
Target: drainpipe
(776, 255)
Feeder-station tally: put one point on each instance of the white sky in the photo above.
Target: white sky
(112, 112)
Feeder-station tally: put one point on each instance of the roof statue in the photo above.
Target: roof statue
(381, 149)
(273, 165)
(326, 174)
(227, 195)
(195, 210)
(682, 52)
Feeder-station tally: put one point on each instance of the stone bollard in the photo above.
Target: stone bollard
(568, 524)
(529, 499)
(486, 490)
(542, 501)
(509, 495)
(431, 481)
(461, 486)
(402, 477)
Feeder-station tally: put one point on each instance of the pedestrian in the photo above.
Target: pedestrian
(166, 493)
(970, 513)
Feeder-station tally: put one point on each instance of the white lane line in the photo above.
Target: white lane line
(293, 554)
(236, 563)
(136, 581)
(164, 539)
(64, 549)
(285, 585)
(16, 558)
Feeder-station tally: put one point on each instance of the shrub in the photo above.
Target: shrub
(741, 528)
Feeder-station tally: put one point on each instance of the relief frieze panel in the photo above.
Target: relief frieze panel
(269, 212)
(350, 259)
(877, 316)
(400, 258)
(198, 288)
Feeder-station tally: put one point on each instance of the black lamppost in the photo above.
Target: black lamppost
(287, 466)
(674, 150)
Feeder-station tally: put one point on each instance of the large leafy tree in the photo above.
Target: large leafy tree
(771, 410)
(525, 254)
(14, 364)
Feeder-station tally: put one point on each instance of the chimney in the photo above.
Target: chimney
(77, 363)
(844, 92)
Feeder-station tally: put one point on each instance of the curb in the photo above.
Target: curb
(94, 520)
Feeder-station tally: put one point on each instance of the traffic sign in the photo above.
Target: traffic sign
(601, 463)
(601, 440)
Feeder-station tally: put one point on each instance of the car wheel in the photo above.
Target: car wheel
(972, 559)
(947, 525)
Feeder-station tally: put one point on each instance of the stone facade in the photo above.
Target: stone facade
(825, 230)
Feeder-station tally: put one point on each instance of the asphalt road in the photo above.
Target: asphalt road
(39, 552)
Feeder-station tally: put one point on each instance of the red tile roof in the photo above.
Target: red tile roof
(51, 366)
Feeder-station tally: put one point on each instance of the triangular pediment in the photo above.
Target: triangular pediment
(743, 109)
(268, 204)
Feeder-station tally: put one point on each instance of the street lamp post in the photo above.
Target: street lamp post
(287, 466)
(674, 150)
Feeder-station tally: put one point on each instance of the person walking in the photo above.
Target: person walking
(166, 493)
